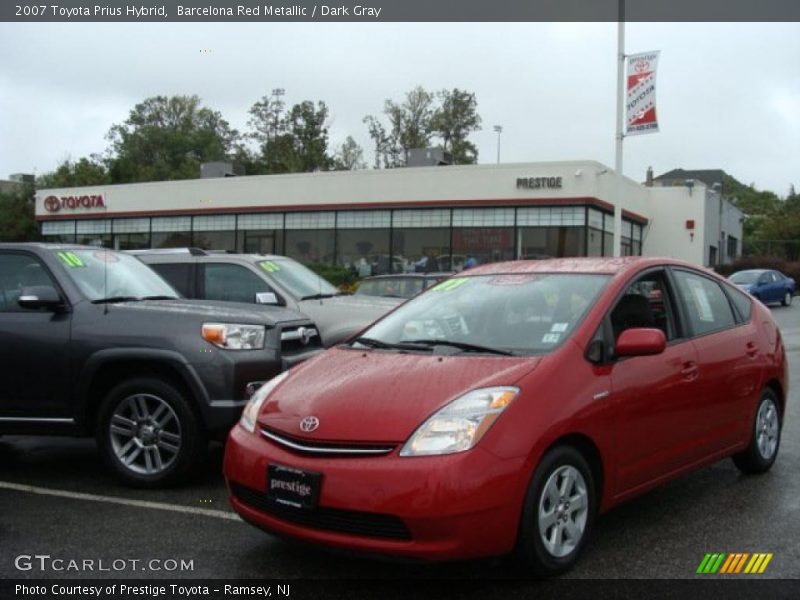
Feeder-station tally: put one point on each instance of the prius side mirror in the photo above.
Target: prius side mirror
(640, 341)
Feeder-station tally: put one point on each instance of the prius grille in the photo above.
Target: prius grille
(302, 446)
(363, 524)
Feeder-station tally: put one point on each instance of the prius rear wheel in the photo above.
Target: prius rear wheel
(559, 513)
(765, 438)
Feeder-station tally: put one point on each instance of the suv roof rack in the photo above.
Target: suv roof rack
(193, 251)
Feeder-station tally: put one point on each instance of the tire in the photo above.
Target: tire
(765, 438)
(787, 299)
(148, 433)
(561, 552)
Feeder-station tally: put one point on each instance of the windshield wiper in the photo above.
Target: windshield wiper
(463, 346)
(113, 299)
(158, 298)
(318, 296)
(381, 345)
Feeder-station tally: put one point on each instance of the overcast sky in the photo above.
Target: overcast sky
(728, 94)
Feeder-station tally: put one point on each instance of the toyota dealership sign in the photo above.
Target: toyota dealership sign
(54, 204)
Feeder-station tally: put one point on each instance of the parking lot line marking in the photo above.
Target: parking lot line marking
(206, 512)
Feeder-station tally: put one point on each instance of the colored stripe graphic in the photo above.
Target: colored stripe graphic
(734, 562)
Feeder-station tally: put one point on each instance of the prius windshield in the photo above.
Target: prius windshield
(495, 314)
(108, 276)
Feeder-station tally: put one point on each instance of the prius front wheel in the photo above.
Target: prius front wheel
(559, 513)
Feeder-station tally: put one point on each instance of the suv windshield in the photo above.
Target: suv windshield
(520, 314)
(298, 280)
(103, 274)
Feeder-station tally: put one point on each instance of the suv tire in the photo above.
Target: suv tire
(149, 434)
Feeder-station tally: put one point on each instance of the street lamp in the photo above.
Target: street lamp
(498, 130)
(277, 93)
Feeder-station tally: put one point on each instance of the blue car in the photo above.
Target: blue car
(766, 285)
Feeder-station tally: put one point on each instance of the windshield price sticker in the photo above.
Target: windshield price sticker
(450, 284)
(70, 259)
(551, 338)
(269, 266)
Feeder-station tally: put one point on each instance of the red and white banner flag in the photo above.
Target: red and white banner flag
(640, 111)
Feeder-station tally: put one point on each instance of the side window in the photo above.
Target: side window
(743, 302)
(706, 304)
(19, 271)
(178, 275)
(232, 283)
(646, 303)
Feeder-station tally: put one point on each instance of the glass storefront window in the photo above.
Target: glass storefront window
(260, 241)
(366, 252)
(547, 242)
(214, 240)
(171, 239)
(479, 245)
(310, 245)
(421, 249)
(131, 241)
(594, 242)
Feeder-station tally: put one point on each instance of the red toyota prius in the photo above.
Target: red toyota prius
(504, 408)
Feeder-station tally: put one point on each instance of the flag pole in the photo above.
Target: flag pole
(619, 135)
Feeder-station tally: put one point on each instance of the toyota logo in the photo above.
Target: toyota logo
(305, 335)
(641, 66)
(52, 204)
(309, 424)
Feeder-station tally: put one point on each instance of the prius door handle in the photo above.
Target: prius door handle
(751, 349)
(689, 370)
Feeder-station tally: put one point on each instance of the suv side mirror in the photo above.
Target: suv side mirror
(640, 341)
(266, 298)
(40, 296)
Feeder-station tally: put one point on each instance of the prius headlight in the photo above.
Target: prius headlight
(461, 424)
(250, 412)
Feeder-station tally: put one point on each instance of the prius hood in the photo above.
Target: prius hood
(378, 396)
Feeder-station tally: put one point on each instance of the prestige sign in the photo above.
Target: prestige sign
(536, 183)
(54, 204)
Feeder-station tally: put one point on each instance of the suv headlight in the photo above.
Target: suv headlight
(461, 424)
(250, 412)
(232, 336)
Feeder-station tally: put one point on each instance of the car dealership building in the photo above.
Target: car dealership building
(405, 219)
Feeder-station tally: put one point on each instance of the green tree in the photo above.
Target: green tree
(421, 117)
(457, 117)
(168, 138)
(17, 222)
(292, 141)
(349, 157)
(86, 171)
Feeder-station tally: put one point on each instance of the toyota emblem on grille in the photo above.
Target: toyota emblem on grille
(309, 424)
(305, 336)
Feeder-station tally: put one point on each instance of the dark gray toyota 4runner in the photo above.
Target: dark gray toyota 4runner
(93, 342)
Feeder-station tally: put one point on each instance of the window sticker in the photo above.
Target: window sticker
(269, 266)
(559, 327)
(70, 259)
(701, 301)
(551, 338)
(450, 284)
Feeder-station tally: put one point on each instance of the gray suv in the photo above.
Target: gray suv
(267, 279)
(95, 343)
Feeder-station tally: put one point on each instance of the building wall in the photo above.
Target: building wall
(666, 234)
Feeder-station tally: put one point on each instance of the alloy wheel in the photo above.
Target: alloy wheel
(145, 434)
(563, 511)
(767, 429)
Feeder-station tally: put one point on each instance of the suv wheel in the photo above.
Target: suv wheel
(148, 432)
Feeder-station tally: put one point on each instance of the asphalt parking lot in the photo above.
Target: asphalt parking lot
(57, 499)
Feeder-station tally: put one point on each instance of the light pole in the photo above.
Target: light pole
(277, 93)
(498, 130)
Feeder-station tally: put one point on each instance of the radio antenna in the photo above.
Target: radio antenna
(105, 281)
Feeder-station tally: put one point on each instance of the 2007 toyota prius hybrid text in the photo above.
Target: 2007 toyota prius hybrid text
(503, 409)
